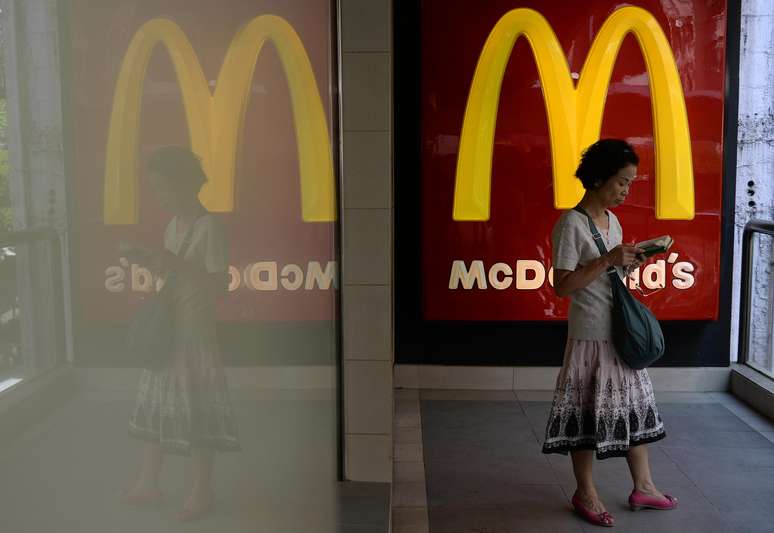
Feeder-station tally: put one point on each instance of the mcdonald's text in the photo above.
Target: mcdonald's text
(531, 274)
(259, 276)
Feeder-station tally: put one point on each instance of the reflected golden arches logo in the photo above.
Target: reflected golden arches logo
(575, 112)
(215, 119)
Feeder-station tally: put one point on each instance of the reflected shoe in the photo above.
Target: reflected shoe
(140, 498)
(194, 512)
(639, 500)
(604, 519)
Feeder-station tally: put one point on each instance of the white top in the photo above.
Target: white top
(208, 243)
(574, 247)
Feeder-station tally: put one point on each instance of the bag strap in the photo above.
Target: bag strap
(612, 272)
(188, 237)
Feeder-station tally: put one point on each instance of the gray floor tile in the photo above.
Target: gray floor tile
(468, 395)
(68, 473)
(406, 407)
(615, 471)
(481, 456)
(541, 509)
(748, 491)
(410, 494)
(721, 459)
(346, 528)
(686, 397)
(471, 423)
(557, 522)
(616, 497)
(409, 518)
(725, 397)
(713, 460)
(687, 438)
(719, 420)
(467, 519)
(537, 410)
(691, 409)
(407, 436)
(756, 421)
(750, 522)
(504, 436)
(534, 395)
(744, 504)
(406, 394)
(695, 513)
(477, 432)
(482, 484)
(675, 521)
(446, 410)
(363, 503)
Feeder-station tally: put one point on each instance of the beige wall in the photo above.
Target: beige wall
(365, 38)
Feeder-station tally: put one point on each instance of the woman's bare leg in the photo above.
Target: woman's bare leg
(199, 500)
(640, 470)
(582, 465)
(147, 489)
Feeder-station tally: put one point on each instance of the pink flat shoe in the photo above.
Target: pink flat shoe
(638, 500)
(598, 519)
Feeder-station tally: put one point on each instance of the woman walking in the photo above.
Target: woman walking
(601, 406)
(184, 407)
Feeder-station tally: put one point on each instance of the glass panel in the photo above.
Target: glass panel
(200, 144)
(202, 158)
(11, 358)
(31, 340)
(6, 215)
(761, 347)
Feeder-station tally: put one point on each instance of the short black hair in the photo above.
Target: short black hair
(602, 160)
(179, 164)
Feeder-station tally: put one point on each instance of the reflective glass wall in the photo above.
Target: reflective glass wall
(200, 158)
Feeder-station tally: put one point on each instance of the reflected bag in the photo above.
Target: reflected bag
(637, 334)
(151, 336)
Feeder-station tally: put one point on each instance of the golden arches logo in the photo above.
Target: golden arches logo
(575, 113)
(215, 120)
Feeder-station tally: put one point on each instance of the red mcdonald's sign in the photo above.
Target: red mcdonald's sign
(503, 124)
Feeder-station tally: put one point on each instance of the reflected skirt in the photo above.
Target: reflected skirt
(600, 403)
(187, 404)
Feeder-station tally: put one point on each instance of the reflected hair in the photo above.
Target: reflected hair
(602, 160)
(178, 164)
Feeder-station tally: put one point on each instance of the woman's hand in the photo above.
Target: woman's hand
(154, 260)
(134, 253)
(626, 255)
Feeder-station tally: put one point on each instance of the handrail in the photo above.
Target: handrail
(754, 226)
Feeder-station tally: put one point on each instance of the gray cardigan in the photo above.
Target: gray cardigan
(573, 247)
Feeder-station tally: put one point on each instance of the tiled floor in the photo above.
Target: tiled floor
(484, 472)
(66, 474)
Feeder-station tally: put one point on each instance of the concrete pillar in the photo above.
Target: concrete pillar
(367, 237)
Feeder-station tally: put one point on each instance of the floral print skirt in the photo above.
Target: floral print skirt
(600, 403)
(187, 404)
